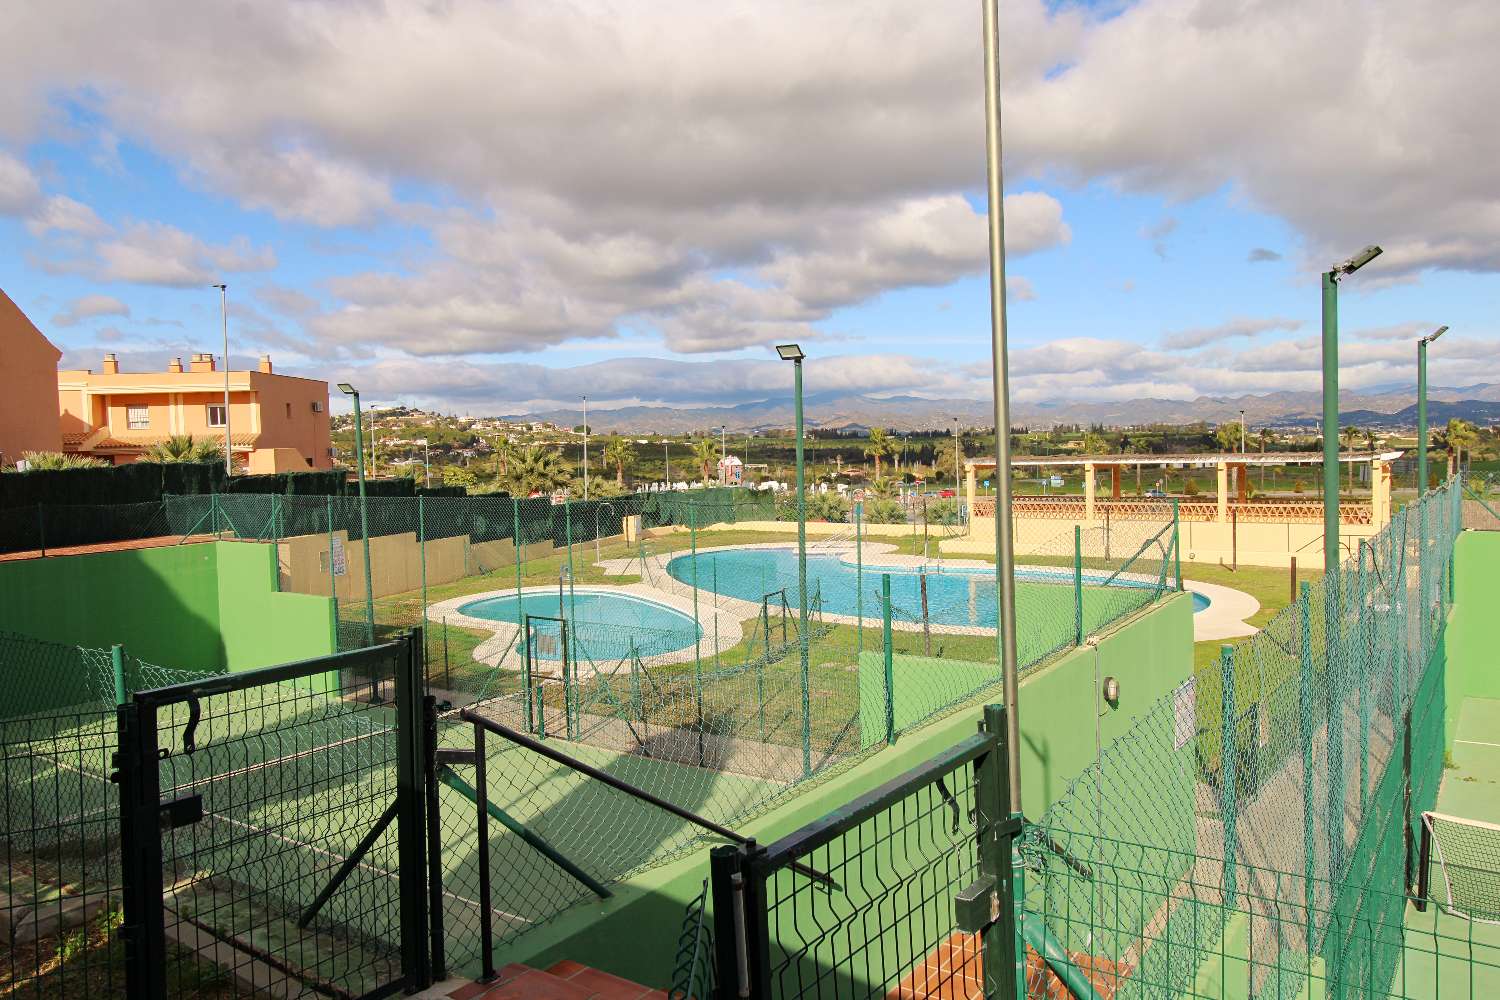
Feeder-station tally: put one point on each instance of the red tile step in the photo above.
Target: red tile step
(566, 980)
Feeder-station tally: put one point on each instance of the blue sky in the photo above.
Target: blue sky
(515, 214)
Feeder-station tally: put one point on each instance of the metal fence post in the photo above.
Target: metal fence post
(1077, 585)
(486, 914)
(144, 928)
(41, 529)
(568, 535)
(436, 954)
(1177, 540)
(887, 644)
(422, 552)
(727, 886)
(1366, 654)
(995, 828)
(1228, 766)
(411, 826)
(117, 668)
(697, 632)
(1304, 716)
(859, 578)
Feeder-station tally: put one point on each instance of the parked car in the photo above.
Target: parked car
(1156, 494)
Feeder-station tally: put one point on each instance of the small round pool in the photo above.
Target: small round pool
(602, 625)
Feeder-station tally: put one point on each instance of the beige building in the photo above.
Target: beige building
(277, 423)
(28, 386)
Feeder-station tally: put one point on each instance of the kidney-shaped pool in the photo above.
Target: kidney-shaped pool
(603, 624)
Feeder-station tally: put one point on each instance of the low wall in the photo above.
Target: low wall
(1250, 543)
(209, 605)
(634, 932)
(1468, 640)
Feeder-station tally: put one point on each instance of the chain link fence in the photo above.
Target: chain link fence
(1256, 827)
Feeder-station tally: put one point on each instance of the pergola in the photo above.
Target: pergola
(1224, 463)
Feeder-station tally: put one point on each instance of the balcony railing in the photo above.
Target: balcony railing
(1073, 508)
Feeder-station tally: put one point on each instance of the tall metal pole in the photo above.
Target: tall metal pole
(667, 457)
(1421, 417)
(224, 320)
(585, 447)
(1005, 551)
(364, 523)
(1330, 422)
(802, 576)
(957, 458)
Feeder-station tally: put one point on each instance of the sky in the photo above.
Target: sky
(491, 207)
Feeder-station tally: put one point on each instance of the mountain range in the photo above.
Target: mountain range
(1381, 407)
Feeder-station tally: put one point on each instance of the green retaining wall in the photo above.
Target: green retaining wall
(633, 933)
(1470, 637)
(210, 606)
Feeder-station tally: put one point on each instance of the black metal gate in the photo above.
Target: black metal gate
(272, 826)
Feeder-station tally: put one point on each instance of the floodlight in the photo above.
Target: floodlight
(1358, 261)
(346, 389)
(1434, 335)
(790, 352)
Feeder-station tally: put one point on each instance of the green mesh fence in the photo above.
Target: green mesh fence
(1257, 826)
(43, 678)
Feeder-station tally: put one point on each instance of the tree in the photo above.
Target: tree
(1094, 443)
(619, 452)
(505, 453)
(1228, 436)
(535, 470)
(1458, 435)
(51, 461)
(1350, 435)
(457, 475)
(705, 454)
(184, 448)
(879, 447)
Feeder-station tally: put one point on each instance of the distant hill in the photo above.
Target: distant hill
(1387, 408)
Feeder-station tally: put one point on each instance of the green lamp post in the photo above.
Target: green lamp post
(793, 353)
(1331, 279)
(364, 512)
(1422, 407)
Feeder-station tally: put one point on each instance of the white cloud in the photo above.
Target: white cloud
(88, 307)
(19, 189)
(154, 253)
(1184, 340)
(62, 215)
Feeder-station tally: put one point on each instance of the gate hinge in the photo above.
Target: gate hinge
(455, 755)
(181, 812)
(977, 906)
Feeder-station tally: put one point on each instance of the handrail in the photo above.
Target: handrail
(588, 770)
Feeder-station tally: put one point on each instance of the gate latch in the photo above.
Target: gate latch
(181, 812)
(977, 906)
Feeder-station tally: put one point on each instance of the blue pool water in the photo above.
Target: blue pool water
(954, 596)
(606, 626)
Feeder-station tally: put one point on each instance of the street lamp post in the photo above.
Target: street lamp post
(1242, 432)
(224, 320)
(426, 463)
(667, 457)
(957, 458)
(1331, 278)
(364, 514)
(1422, 407)
(585, 447)
(1005, 551)
(793, 353)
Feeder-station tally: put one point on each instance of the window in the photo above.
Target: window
(216, 414)
(137, 418)
(289, 411)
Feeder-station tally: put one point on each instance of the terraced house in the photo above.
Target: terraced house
(277, 423)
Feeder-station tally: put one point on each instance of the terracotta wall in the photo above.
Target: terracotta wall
(28, 386)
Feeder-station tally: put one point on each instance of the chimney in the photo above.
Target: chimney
(111, 364)
(265, 364)
(175, 366)
(203, 363)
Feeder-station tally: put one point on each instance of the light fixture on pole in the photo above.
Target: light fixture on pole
(585, 447)
(426, 463)
(1422, 407)
(364, 514)
(793, 353)
(957, 458)
(1331, 278)
(1242, 432)
(667, 457)
(224, 321)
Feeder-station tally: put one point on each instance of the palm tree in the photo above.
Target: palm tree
(51, 461)
(879, 447)
(619, 452)
(1458, 435)
(706, 454)
(183, 448)
(1229, 436)
(535, 470)
(1267, 437)
(505, 453)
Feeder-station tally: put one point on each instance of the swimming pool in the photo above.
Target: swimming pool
(604, 625)
(955, 596)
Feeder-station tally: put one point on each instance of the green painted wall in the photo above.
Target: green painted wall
(162, 604)
(1470, 636)
(634, 933)
(209, 606)
(262, 627)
